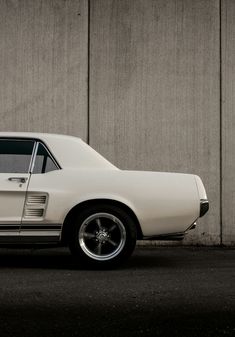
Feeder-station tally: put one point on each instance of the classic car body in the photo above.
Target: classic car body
(55, 189)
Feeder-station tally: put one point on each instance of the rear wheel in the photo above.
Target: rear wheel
(103, 236)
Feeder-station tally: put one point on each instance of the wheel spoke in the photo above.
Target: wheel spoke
(98, 248)
(98, 222)
(89, 235)
(114, 226)
(112, 242)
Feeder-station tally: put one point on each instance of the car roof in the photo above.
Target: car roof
(69, 151)
(34, 135)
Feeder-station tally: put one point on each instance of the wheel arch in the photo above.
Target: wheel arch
(92, 202)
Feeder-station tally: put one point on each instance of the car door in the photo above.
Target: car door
(39, 223)
(15, 161)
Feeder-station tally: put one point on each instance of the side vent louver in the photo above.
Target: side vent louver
(35, 206)
(35, 213)
(36, 199)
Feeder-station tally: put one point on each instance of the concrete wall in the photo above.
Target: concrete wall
(43, 65)
(228, 121)
(141, 80)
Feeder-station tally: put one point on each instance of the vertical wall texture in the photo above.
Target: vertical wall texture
(154, 91)
(140, 78)
(228, 121)
(43, 66)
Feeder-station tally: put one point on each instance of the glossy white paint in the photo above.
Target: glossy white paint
(163, 203)
(69, 151)
(12, 198)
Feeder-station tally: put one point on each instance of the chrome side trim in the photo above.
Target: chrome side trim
(192, 226)
(51, 155)
(37, 227)
(33, 158)
(165, 237)
(30, 234)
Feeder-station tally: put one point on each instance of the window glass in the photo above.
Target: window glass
(15, 155)
(43, 162)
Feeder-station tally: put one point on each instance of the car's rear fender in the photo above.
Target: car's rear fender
(162, 202)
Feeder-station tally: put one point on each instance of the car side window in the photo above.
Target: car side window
(15, 155)
(44, 162)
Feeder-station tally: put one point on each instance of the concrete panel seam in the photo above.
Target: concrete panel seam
(88, 71)
(220, 111)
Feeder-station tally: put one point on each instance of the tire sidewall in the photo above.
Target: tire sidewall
(127, 222)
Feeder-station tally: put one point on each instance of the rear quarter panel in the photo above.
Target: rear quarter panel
(163, 202)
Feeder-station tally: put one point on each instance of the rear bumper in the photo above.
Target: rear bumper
(204, 207)
(166, 237)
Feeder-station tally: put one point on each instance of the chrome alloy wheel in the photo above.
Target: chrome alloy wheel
(102, 236)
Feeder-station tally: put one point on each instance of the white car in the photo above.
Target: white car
(57, 190)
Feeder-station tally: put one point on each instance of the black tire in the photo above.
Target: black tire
(102, 236)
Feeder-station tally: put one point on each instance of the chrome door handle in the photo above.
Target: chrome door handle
(18, 179)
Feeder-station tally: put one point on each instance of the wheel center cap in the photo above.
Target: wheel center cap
(102, 236)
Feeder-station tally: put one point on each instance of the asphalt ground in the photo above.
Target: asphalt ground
(159, 292)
